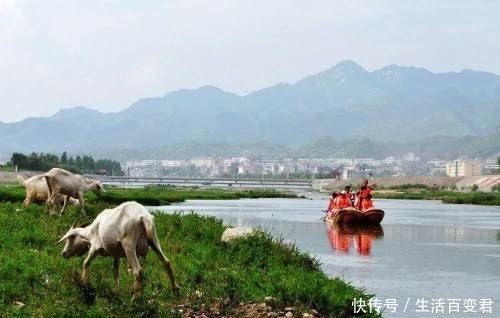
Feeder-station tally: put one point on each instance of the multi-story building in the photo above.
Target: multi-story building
(144, 168)
(463, 168)
(171, 163)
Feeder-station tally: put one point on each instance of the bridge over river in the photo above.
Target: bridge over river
(125, 181)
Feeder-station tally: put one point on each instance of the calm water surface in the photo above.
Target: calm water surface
(427, 259)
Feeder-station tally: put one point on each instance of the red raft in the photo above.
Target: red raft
(352, 215)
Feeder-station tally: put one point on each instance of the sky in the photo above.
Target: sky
(108, 54)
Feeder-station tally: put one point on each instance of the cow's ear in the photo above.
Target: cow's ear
(85, 240)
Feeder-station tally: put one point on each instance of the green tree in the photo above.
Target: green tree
(49, 161)
(108, 167)
(78, 162)
(85, 164)
(19, 160)
(88, 164)
(64, 158)
(34, 162)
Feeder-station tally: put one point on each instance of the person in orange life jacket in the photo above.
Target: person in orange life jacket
(367, 203)
(350, 194)
(331, 202)
(363, 192)
(342, 201)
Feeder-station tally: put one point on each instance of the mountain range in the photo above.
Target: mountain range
(403, 108)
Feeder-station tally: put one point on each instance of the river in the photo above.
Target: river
(427, 259)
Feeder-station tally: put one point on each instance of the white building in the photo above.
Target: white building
(348, 173)
(203, 162)
(171, 163)
(144, 168)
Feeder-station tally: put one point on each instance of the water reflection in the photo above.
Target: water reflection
(344, 236)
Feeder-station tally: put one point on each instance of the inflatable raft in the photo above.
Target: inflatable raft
(352, 215)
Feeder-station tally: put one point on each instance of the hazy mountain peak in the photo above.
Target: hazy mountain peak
(345, 69)
(209, 88)
(348, 65)
(342, 73)
(66, 113)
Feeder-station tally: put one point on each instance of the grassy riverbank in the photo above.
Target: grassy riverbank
(420, 192)
(218, 280)
(156, 195)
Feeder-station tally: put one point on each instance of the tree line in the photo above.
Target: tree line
(78, 164)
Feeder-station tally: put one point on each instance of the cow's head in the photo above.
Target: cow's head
(77, 243)
(97, 188)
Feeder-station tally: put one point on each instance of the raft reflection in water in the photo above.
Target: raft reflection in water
(343, 236)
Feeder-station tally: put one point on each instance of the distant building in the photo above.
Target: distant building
(349, 173)
(171, 163)
(463, 168)
(144, 168)
(203, 162)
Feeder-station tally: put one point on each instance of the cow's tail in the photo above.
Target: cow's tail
(21, 180)
(149, 228)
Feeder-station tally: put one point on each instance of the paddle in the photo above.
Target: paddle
(371, 177)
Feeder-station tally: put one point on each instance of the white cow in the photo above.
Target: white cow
(72, 185)
(123, 232)
(38, 191)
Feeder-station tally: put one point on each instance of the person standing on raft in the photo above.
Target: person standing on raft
(364, 193)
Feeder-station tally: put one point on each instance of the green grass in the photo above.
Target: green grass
(156, 195)
(479, 198)
(159, 195)
(212, 275)
(454, 197)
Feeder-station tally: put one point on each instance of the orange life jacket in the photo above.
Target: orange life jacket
(364, 192)
(343, 202)
(366, 204)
